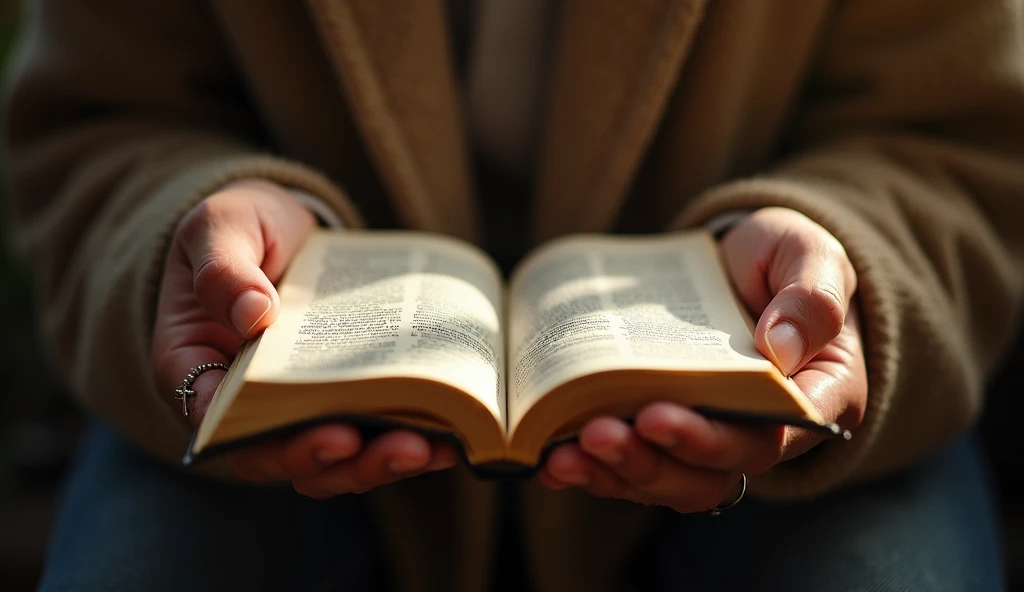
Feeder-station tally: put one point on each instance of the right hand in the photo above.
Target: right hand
(217, 291)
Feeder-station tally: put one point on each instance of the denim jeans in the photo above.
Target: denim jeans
(130, 523)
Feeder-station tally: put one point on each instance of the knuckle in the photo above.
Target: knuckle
(823, 303)
(776, 214)
(831, 247)
(836, 252)
(831, 305)
(197, 221)
(210, 272)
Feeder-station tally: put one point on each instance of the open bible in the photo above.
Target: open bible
(419, 330)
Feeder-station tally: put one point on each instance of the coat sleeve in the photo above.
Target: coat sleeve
(909, 148)
(121, 116)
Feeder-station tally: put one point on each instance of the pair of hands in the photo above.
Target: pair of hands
(218, 290)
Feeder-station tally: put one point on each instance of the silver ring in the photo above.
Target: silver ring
(743, 490)
(183, 392)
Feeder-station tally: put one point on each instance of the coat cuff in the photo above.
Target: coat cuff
(723, 223)
(326, 216)
(833, 462)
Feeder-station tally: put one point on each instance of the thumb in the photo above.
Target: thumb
(227, 278)
(232, 242)
(813, 281)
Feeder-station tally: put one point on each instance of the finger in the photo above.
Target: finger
(304, 454)
(185, 337)
(550, 481)
(442, 456)
(389, 457)
(569, 464)
(646, 468)
(695, 440)
(836, 382)
(614, 443)
(796, 277)
(236, 242)
(814, 286)
(174, 357)
(318, 448)
(206, 385)
(247, 222)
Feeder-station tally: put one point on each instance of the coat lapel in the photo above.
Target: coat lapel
(394, 60)
(615, 67)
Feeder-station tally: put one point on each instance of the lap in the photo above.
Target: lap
(130, 523)
(930, 528)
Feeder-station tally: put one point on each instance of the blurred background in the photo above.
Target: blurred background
(39, 425)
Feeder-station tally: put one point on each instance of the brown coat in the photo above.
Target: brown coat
(898, 126)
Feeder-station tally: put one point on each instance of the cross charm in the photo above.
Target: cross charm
(182, 393)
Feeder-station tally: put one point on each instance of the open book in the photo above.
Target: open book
(414, 329)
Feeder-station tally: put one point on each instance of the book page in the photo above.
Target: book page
(360, 305)
(589, 304)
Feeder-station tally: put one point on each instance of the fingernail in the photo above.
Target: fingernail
(248, 309)
(404, 465)
(787, 345)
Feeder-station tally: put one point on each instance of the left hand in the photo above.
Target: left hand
(796, 276)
